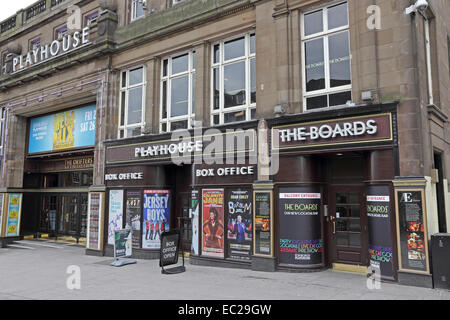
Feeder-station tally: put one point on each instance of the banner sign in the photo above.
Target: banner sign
(94, 237)
(170, 246)
(300, 226)
(195, 208)
(212, 223)
(412, 231)
(115, 221)
(379, 222)
(13, 215)
(133, 216)
(240, 224)
(262, 231)
(156, 218)
(62, 131)
(122, 243)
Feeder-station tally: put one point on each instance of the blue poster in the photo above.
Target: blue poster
(156, 217)
(13, 215)
(65, 130)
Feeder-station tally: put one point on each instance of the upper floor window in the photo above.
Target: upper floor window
(90, 18)
(2, 128)
(233, 96)
(326, 57)
(132, 103)
(137, 9)
(35, 44)
(61, 32)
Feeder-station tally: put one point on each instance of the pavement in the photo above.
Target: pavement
(43, 269)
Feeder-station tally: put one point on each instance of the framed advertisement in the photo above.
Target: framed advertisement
(156, 217)
(412, 233)
(213, 231)
(115, 217)
(2, 204)
(262, 217)
(195, 211)
(239, 224)
(13, 215)
(133, 216)
(94, 239)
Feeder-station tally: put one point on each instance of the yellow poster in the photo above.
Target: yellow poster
(63, 135)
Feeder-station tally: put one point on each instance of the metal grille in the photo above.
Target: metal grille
(36, 9)
(56, 2)
(8, 24)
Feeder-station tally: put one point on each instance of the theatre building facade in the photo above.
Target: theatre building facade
(276, 135)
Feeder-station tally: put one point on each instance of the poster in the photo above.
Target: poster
(133, 217)
(262, 231)
(413, 241)
(65, 130)
(115, 213)
(212, 223)
(240, 224)
(156, 219)
(94, 221)
(13, 215)
(2, 197)
(195, 208)
(300, 226)
(122, 243)
(379, 223)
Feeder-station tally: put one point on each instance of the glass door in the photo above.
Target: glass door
(69, 220)
(47, 223)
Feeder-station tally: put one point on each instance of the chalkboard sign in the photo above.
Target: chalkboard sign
(300, 226)
(379, 222)
(412, 231)
(170, 246)
(263, 223)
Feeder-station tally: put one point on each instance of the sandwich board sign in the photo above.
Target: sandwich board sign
(122, 248)
(170, 248)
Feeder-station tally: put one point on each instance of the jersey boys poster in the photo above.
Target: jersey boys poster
(156, 217)
(240, 226)
(212, 223)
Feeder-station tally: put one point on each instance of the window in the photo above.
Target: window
(4, 67)
(233, 96)
(177, 92)
(90, 18)
(137, 9)
(35, 44)
(2, 128)
(175, 2)
(132, 103)
(61, 32)
(326, 57)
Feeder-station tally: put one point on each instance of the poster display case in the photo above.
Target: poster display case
(94, 239)
(262, 217)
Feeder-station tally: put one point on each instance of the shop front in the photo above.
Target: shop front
(334, 190)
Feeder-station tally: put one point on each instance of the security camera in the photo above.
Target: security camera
(420, 5)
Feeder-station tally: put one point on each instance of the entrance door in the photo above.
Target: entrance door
(69, 220)
(49, 209)
(184, 222)
(348, 225)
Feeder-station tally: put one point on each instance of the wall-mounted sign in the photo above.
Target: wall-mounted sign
(263, 223)
(79, 163)
(213, 223)
(61, 131)
(95, 221)
(240, 224)
(115, 216)
(300, 226)
(365, 129)
(13, 214)
(69, 43)
(156, 219)
(124, 176)
(379, 223)
(224, 172)
(412, 235)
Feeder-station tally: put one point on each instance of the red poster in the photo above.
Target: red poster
(212, 223)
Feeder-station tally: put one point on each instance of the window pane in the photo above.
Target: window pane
(354, 225)
(122, 109)
(164, 101)
(164, 127)
(234, 80)
(355, 240)
(313, 22)
(216, 119)
(124, 79)
(136, 76)
(180, 95)
(253, 80)
(354, 211)
(135, 106)
(341, 212)
(341, 239)
(234, 116)
(339, 60)
(165, 64)
(180, 64)
(316, 102)
(139, 10)
(252, 44)
(121, 134)
(253, 114)
(235, 48)
(339, 99)
(337, 16)
(315, 66)
(216, 88)
(134, 132)
(179, 125)
(193, 93)
(194, 60)
(217, 53)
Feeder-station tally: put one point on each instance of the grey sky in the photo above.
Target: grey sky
(9, 8)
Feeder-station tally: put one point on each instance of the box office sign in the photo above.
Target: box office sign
(412, 233)
(62, 131)
(300, 226)
(354, 130)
